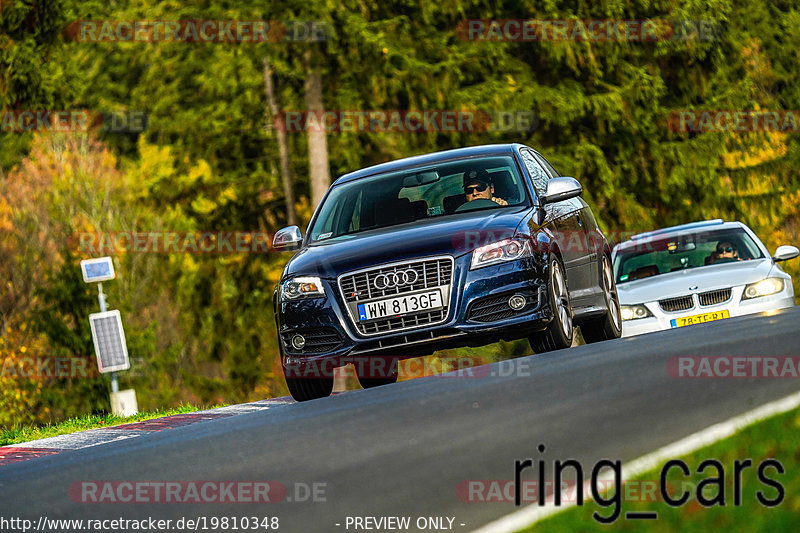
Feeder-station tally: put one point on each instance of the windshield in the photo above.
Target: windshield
(419, 193)
(661, 255)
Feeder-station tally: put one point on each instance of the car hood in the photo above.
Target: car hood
(452, 235)
(684, 281)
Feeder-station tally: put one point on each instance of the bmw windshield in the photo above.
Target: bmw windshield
(648, 257)
(420, 193)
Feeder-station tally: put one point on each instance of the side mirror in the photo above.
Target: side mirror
(287, 239)
(560, 189)
(784, 253)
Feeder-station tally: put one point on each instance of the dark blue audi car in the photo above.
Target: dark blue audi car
(457, 248)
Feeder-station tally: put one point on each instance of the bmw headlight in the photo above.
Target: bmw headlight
(765, 287)
(634, 312)
(500, 252)
(308, 287)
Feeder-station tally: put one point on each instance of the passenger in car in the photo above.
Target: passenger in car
(478, 185)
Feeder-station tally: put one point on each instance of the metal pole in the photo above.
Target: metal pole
(101, 298)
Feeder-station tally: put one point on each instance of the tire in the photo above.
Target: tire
(370, 382)
(609, 326)
(303, 389)
(560, 331)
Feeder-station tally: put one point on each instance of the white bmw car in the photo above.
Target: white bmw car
(697, 273)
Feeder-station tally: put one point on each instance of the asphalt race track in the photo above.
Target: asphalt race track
(403, 450)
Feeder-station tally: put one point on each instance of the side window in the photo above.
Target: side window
(547, 166)
(537, 173)
(355, 221)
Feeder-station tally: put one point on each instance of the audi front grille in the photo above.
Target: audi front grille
(402, 278)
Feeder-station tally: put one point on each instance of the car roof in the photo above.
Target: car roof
(426, 159)
(683, 229)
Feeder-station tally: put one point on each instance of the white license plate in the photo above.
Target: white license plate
(401, 305)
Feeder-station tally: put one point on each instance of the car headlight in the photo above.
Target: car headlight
(500, 252)
(296, 288)
(765, 287)
(634, 312)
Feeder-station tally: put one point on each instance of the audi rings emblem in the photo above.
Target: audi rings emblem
(395, 279)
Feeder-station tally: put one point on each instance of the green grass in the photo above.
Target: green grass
(19, 435)
(776, 437)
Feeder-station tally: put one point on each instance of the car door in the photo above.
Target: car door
(584, 240)
(561, 219)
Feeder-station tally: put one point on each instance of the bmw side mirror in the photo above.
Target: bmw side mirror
(560, 189)
(784, 253)
(287, 239)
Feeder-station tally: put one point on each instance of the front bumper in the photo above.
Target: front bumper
(326, 319)
(662, 320)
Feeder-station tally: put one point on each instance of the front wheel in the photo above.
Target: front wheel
(560, 331)
(609, 326)
(304, 388)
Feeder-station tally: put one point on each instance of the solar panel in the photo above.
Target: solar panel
(100, 269)
(109, 341)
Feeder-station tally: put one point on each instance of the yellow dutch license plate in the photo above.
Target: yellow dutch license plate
(699, 319)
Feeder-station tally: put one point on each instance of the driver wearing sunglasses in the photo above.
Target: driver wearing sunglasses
(478, 186)
(726, 251)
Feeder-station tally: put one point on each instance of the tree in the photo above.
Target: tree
(283, 145)
(319, 171)
(30, 34)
